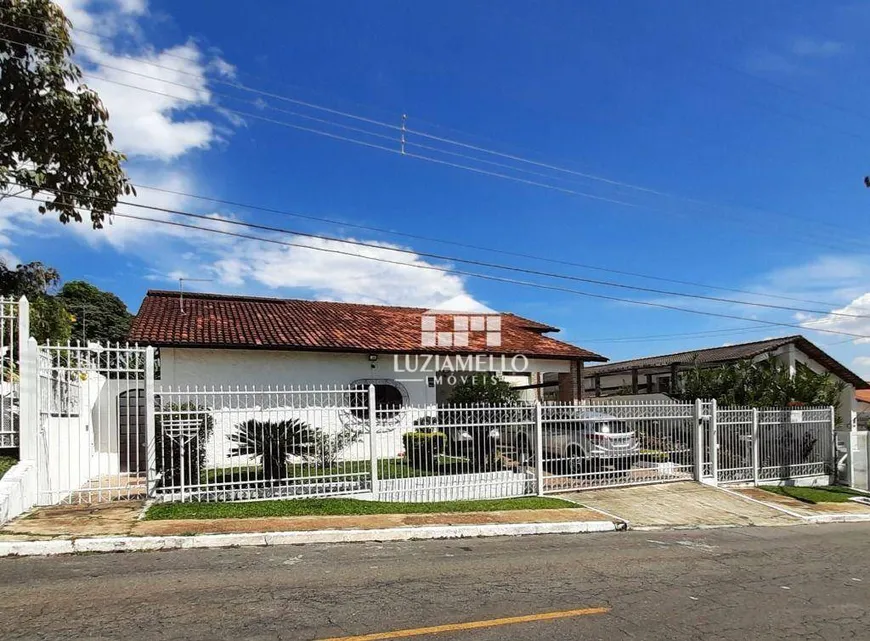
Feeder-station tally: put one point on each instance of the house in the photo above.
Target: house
(660, 374)
(862, 400)
(412, 355)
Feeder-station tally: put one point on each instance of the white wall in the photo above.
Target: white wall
(262, 368)
(259, 369)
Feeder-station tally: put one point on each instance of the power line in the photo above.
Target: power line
(476, 263)
(397, 151)
(334, 136)
(382, 230)
(514, 253)
(709, 333)
(489, 277)
(411, 131)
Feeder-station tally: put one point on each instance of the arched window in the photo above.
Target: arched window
(390, 397)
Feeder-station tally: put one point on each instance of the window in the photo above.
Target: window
(390, 397)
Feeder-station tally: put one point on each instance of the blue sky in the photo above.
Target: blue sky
(741, 122)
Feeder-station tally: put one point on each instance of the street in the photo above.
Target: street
(746, 583)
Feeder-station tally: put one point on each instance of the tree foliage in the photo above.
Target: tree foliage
(49, 319)
(273, 442)
(99, 316)
(484, 389)
(54, 136)
(764, 383)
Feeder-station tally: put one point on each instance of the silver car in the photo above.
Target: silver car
(583, 439)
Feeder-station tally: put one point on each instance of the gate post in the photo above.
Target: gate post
(150, 433)
(756, 448)
(833, 457)
(714, 440)
(699, 440)
(373, 455)
(539, 448)
(28, 403)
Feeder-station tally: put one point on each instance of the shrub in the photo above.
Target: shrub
(273, 442)
(423, 447)
(171, 449)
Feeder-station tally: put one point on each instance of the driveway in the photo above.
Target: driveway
(686, 504)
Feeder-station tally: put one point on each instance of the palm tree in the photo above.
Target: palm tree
(274, 442)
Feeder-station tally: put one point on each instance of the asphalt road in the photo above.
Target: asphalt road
(802, 582)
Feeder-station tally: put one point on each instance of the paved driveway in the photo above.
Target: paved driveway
(679, 504)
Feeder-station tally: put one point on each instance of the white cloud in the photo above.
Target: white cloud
(793, 56)
(156, 131)
(862, 366)
(323, 274)
(152, 125)
(813, 48)
(857, 321)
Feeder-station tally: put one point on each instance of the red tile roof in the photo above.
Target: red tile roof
(863, 395)
(244, 322)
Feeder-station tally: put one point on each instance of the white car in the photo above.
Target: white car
(582, 440)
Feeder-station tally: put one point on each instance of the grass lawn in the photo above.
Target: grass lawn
(822, 494)
(6, 462)
(326, 507)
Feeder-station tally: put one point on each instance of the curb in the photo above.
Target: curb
(176, 542)
(838, 518)
(806, 518)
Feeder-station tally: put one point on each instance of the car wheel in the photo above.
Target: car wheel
(577, 463)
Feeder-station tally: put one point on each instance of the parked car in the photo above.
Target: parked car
(581, 439)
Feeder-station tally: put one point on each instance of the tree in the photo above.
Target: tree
(764, 383)
(99, 315)
(273, 443)
(54, 136)
(494, 396)
(49, 319)
(484, 389)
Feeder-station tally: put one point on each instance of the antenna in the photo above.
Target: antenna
(181, 290)
(404, 120)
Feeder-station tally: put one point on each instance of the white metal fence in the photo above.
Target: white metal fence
(9, 388)
(105, 431)
(221, 444)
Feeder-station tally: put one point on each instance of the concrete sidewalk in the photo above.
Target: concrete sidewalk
(685, 504)
(117, 526)
(817, 512)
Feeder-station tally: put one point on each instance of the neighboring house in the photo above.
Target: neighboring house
(862, 399)
(659, 374)
(210, 339)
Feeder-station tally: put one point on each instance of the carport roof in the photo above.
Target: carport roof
(729, 353)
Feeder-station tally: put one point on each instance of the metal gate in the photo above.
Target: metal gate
(93, 422)
(772, 444)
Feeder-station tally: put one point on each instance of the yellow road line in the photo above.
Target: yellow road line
(471, 625)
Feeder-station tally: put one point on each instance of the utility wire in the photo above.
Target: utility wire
(454, 243)
(467, 261)
(712, 332)
(489, 277)
(221, 109)
(397, 128)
